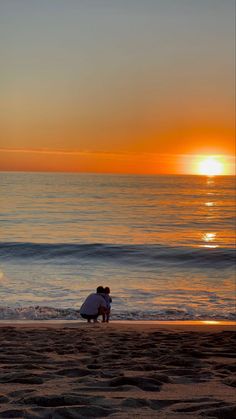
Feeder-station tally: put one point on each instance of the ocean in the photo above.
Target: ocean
(165, 245)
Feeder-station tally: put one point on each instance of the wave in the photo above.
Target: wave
(137, 254)
(52, 313)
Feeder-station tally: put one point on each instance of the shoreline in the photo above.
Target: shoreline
(205, 326)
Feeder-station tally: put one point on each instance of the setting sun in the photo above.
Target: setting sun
(210, 166)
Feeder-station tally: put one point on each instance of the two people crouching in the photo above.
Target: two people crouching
(97, 304)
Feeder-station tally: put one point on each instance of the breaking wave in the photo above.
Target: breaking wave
(52, 313)
(133, 254)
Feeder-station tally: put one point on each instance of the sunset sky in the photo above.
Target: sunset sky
(122, 86)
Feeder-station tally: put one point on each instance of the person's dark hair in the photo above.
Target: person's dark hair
(100, 289)
(107, 290)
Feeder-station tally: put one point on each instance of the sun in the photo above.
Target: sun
(207, 164)
(210, 166)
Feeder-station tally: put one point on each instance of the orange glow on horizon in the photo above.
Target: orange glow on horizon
(120, 162)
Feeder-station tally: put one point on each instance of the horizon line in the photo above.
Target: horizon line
(113, 173)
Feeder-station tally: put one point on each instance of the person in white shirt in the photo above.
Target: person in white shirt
(94, 306)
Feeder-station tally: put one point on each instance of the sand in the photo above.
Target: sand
(117, 370)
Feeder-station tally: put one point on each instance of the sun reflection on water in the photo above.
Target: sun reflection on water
(210, 181)
(209, 238)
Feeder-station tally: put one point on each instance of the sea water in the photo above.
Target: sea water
(163, 244)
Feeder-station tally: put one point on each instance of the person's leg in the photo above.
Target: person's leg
(95, 319)
(107, 316)
(88, 317)
(102, 312)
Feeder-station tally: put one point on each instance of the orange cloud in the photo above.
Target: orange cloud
(70, 160)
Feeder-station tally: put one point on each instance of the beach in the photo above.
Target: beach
(117, 200)
(59, 369)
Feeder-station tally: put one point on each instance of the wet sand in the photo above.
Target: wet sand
(118, 370)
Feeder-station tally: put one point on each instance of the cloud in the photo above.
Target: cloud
(46, 151)
(84, 152)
